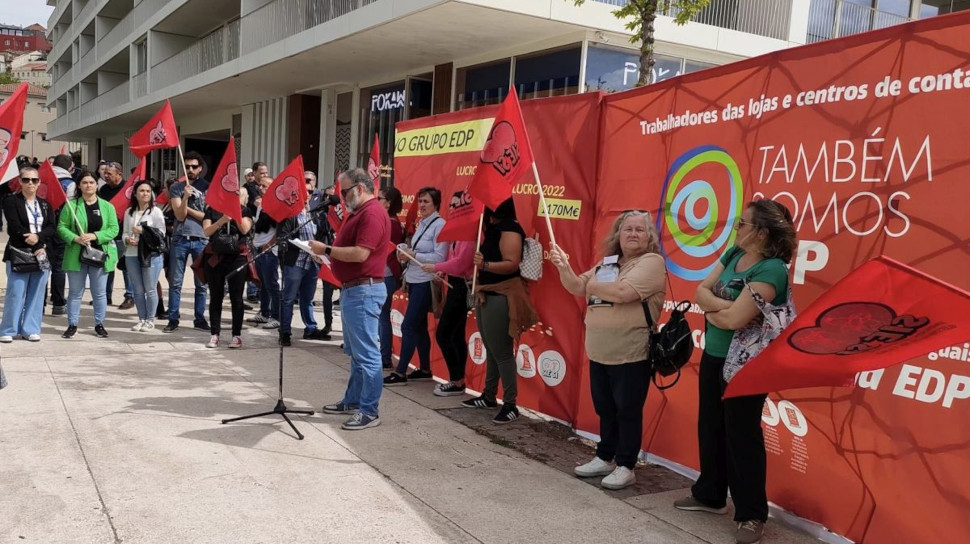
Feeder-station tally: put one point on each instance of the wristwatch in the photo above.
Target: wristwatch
(484, 265)
(328, 250)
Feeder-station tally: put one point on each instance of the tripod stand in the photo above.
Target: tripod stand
(281, 409)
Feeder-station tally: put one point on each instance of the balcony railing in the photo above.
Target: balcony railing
(836, 18)
(213, 50)
(770, 18)
(94, 109)
(117, 34)
(139, 85)
(283, 18)
(57, 126)
(85, 63)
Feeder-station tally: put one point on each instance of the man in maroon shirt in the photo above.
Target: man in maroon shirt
(358, 256)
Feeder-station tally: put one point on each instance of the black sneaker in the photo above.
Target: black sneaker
(449, 390)
(285, 339)
(479, 402)
(127, 304)
(326, 330)
(173, 325)
(99, 331)
(70, 331)
(201, 325)
(339, 408)
(58, 310)
(247, 307)
(361, 421)
(420, 375)
(254, 298)
(387, 365)
(316, 334)
(507, 414)
(395, 379)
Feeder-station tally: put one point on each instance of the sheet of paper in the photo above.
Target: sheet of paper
(305, 246)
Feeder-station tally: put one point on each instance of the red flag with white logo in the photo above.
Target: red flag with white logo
(223, 192)
(287, 196)
(881, 314)
(374, 164)
(337, 214)
(11, 126)
(122, 200)
(462, 223)
(326, 273)
(158, 133)
(50, 188)
(506, 157)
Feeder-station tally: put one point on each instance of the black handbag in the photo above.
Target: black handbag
(671, 347)
(225, 243)
(93, 256)
(23, 262)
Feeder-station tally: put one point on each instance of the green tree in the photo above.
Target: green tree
(640, 16)
(5, 77)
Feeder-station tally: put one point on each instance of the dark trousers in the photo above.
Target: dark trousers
(732, 446)
(216, 278)
(450, 333)
(328, 305)
(55, 254)
(493, 323)
(619, 392)
(414, 329)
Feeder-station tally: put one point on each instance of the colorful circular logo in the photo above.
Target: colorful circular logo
(698, 214)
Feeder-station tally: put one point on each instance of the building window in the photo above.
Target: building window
(612, 70)
(548, 73)
(482, 84)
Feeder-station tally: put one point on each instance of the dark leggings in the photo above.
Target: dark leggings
(450, 333)
(216, 276)
(493, 323)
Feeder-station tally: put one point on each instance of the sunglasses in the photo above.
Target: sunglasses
(29, 180)
(345, 192)
(193, 166)
(308, 180)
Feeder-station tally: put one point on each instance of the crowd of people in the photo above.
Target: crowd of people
(86, 242)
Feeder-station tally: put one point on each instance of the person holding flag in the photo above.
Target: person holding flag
(731, 441)
(225, 253)
(393, 202)
(358, 256)
(188, 239)
(31, 224)
(113, 188)
(142, 213)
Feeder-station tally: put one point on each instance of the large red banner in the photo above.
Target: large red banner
(444, 151)
(864, 140)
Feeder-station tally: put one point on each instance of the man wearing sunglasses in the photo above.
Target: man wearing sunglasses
(188, 238)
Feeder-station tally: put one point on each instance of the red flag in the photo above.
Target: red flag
(462, 224)
(326, 273)
(287, 196)
(50, 188)
(223, 192)
(411, 219)
(881, 314)
(11, 126)
(163, 198)
(122, 200)
(506, 157)
(374, 165)
(62, 149)
(336, 214)
(158, 133)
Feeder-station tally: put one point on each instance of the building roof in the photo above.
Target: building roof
(33, 67)
(37, 26)
(32, 90)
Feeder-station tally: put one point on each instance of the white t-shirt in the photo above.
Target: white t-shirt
(153, 218)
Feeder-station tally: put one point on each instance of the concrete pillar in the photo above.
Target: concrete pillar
(798, 22)
(328, 140)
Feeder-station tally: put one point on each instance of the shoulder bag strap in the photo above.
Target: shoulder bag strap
(414, 243)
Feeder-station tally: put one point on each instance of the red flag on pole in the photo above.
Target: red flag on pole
(326, 273)
(287, 196)
(223, 192)
(462, 223)
(163, 198)
(881, 314)
(50, 188)
(337, 214)
(506, 157)
(374, 164)
(11, 126)
(158, 133)
(411, 219)
(62, 149)
(122, 200)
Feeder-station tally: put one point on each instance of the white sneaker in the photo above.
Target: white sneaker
(596, 467)
(236, 343)
(138, 326)
(6, 339)
(271, 324)
(33, 338)
(149, 325)
(619, 478)
(213, 342)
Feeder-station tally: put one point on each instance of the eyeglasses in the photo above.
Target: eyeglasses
(382, 198)
(346, 191)
(193, 166)
(308, 180)
(29, 181)
(741, 222)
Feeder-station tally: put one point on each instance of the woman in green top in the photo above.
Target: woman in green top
(732, 452)
(87, 221)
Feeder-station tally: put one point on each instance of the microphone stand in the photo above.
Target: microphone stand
(280, 409)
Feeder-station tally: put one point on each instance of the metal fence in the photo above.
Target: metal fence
(117, 34)
(836, 18)
(283, 18)
(770, 18)
(210, 51)
(94, 110)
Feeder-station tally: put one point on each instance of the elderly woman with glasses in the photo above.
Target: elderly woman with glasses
(31, 224)
(629, 279)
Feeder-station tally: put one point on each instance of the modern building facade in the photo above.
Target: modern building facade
(321, 77)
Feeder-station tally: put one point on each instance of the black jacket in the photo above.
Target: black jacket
(289, 252)
(18, 223)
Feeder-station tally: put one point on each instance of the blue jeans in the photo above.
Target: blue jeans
(360, 310)
(181, 249)
(268, 268)
(75, 286)
(385, 326)
(299, 285)
(143, 281)
(414, 330)
(23, 305)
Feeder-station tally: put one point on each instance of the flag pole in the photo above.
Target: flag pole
(182, 161)
(478, 246)
(542, 199)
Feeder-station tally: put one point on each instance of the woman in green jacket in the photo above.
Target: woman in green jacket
(87, 221)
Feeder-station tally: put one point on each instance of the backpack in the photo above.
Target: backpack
(530, 267)
(670, 347)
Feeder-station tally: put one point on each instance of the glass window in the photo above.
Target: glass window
(483, 84)
(381, 108)
(548, 73)
(611, 70)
